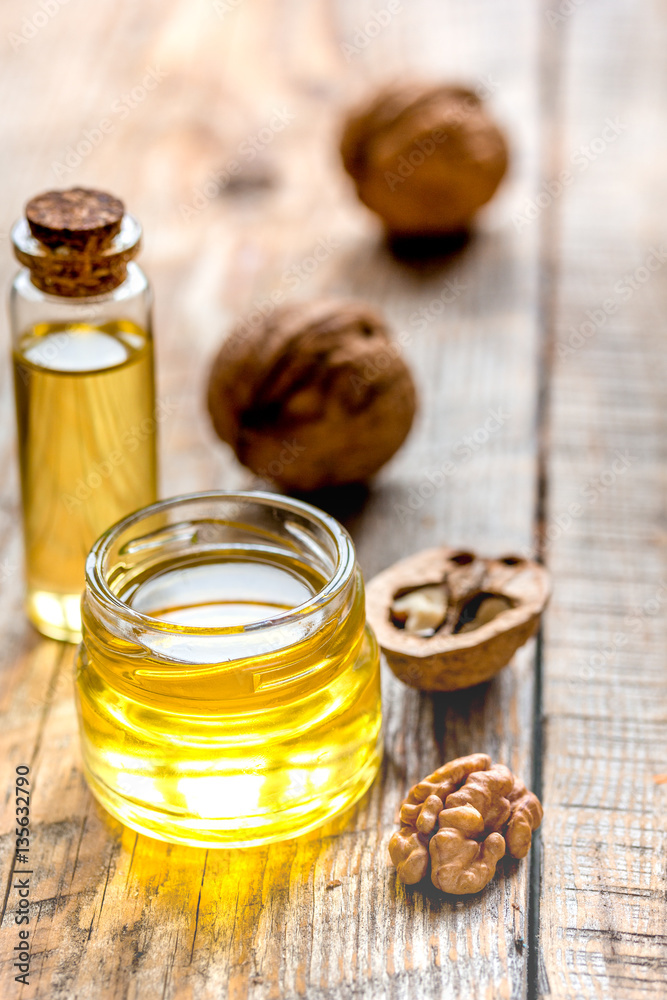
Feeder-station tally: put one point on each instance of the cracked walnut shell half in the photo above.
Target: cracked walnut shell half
(424, 157)
(447, 619)
(459, 821)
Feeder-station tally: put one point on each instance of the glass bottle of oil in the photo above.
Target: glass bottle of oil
(80, 312)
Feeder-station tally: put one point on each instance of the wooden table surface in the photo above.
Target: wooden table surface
(553, 324)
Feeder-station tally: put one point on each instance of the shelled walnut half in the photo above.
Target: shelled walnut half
(459, 822)
(447, 619)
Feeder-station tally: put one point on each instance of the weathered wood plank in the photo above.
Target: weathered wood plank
(603, 920)
(123, 916)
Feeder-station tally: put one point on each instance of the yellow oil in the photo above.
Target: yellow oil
(248, 750)
(86, 426)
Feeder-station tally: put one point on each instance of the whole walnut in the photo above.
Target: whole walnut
(424, 157)
(316, 395)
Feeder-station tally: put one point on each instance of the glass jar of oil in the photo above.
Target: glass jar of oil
(83, 374)
(228, 686)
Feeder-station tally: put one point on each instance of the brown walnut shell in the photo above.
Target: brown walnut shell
(315, 395)
(424, 157)
(447, 619)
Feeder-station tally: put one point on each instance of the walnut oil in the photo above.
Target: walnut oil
(84, 389)
(228, 686)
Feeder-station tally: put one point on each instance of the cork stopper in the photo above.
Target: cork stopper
(76, 243)
(79, 218)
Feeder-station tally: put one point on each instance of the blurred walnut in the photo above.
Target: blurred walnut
(424, 157)
(315, 395)
(479, 809)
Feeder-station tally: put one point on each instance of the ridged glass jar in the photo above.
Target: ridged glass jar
(228, 685)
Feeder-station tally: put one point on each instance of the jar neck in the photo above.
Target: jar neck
(72, 273)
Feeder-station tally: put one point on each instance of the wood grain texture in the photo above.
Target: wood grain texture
(122, 916)
(603, 919)
(116, 915)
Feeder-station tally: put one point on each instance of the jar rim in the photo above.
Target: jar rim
(341, 577)
(73, 273)
(25, 245)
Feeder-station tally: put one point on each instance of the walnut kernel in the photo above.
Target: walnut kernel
(461, 819)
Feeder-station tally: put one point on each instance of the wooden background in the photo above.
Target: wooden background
(556, 322)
